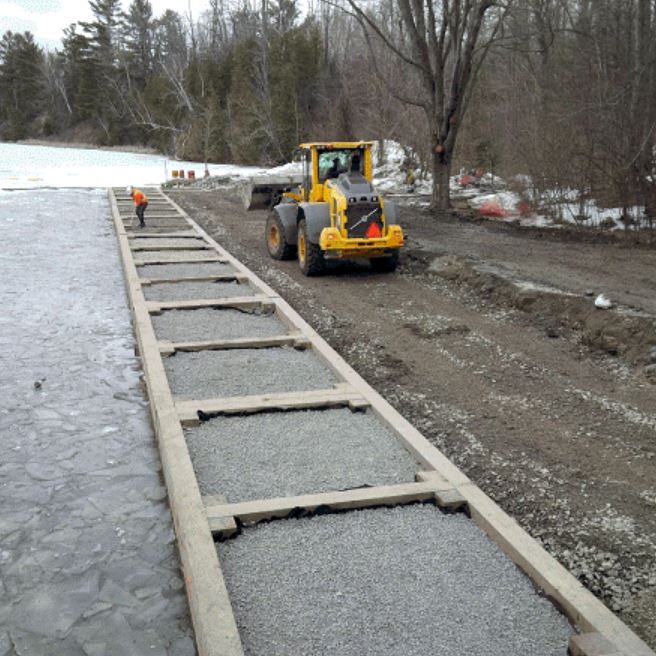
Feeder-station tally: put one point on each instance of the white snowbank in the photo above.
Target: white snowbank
(391, 169)
(291, 168)
(506, 200)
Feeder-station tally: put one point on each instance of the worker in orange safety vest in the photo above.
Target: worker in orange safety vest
(140, 203)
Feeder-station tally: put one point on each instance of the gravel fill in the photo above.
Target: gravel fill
(183, 291)
(214, 323)
(166, 241)
(151, 256)
(287, 454)
(183, 270)
(390, 581)
(238, 372)
(159, 227)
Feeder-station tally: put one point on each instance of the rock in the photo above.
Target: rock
(525, 299)
(602, 302)
(650, 373)
(552, 331)
(607, 343)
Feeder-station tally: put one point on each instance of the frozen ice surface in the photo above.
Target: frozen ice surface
(53, 609)
(242, 372)
(407, 580)
(79, 473)
(5, 644)
(40, 166)
(183, 270)
(181, 291)
(214, 323)
(292, 453)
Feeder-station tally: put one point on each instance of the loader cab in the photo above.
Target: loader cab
(326, 161)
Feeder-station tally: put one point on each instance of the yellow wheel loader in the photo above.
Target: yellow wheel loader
(330, 212)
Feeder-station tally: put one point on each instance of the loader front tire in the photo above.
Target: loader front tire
(385, 264)
(310, 256)
(276, 242)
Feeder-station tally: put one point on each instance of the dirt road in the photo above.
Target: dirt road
(560, 433)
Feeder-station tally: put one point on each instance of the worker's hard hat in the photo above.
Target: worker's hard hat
(128, 190)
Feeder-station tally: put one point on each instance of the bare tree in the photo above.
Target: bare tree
(443, 45)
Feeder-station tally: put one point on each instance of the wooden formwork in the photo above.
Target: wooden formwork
(196, 519)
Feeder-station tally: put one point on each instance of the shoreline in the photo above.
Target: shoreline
(139, 150)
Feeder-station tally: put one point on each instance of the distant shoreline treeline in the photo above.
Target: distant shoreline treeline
(562, 92)
(233, 86)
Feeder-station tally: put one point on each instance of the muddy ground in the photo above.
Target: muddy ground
(486, 340)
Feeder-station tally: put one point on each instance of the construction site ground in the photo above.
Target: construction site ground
(487, 340)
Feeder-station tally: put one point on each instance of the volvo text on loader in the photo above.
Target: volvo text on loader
(331, 211)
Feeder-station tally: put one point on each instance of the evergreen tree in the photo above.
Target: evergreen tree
(99, 70)
(70, 58)
(138, 40)
(21, 84)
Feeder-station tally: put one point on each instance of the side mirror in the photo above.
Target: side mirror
(297, 155)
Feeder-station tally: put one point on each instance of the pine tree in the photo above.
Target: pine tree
(138, 39)
(70, 59)
(21, 84)
(99, 68)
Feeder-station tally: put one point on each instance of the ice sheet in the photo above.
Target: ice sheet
(87, 538)
(24, 167)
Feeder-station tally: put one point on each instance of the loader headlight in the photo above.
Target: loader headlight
(374, 199)
(353, 200)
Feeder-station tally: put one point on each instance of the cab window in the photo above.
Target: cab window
(335, 161)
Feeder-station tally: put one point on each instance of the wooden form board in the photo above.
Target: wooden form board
(188, 411)
(179, 260)
(163, 235)
(295, 340)
(585, 611)
(214, 624)
(218, 277)
(251, 512)
(261, 302)
(170, 247)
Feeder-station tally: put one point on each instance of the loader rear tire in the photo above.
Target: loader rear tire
(310, 256)
(385, 264)
(276, 242)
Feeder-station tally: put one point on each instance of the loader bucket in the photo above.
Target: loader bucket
(263, 192)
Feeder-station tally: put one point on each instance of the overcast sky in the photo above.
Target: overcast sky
(46, 19)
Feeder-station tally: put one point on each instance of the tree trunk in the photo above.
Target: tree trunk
(441, 198)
